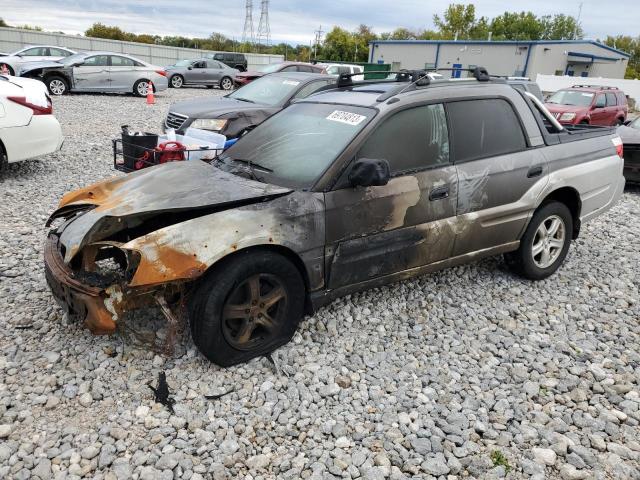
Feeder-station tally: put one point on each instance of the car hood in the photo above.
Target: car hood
(30, 66)
(213, 107)
(628, 134)
(559, 108)
(167, 194)
(249, 74)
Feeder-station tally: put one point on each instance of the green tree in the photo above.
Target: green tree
(457, 21)
(339, 45)
(560, 27)
(99, 30)
(630, 45)
(517, 26)
(3, 23)
(362, 36)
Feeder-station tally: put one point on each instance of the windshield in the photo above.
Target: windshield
(182, 63)
(70, 60)
(267, 90)
(294, 147)
(273, 67)
(635, 123)
(571, 97)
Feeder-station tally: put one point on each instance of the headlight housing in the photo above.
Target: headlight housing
(212, 124)
(567, 117)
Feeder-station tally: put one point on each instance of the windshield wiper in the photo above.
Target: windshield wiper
(252, 164)
(244, 99)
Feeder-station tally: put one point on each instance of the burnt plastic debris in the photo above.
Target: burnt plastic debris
(161, 392)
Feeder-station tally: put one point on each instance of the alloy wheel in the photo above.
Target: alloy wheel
(143, 87)
(176, 81)
(548, 241)
(226, 84)
(57, 87)
(254, 312)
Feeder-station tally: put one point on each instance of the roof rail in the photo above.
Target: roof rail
(479, 73)
(601, 87)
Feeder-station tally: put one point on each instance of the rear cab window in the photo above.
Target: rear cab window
(484, 128)
(413, 139)
(611, 99)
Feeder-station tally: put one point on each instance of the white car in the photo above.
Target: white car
(27, 126)
(340, 68)
(37, 53)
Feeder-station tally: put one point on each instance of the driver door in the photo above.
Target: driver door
(599, 111)
(381, 230)
(197, 72)
(93, 74)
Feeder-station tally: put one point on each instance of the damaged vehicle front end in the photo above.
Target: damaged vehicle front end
(141, 240)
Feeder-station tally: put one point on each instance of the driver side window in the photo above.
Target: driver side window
(199, 65)
(96, 61)
(412, 139)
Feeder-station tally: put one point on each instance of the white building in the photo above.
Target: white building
(580, 58)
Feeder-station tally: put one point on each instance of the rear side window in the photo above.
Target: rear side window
(484, 128)
(121, 62)
(96, 61)
(622, 100)
(57, 52)
(218, 56)
(304, 68)
(611, 100)
(412, 139)
(36, 52)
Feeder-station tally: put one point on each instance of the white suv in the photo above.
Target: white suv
(339, 68)
(27, 126)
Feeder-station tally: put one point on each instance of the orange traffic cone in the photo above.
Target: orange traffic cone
(150, 98)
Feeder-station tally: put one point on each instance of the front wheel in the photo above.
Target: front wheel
(226, 83)
(4, 161)
(545, 243)
(141, 87)
(176, 81)
(57, 85)
(246, 307)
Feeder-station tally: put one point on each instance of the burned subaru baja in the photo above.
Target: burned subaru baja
(350, 188)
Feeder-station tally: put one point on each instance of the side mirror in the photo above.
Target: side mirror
(189, 67)
(627, 123)
(78, 63)
(368, 172)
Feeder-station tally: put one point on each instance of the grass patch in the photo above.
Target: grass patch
(498, 459)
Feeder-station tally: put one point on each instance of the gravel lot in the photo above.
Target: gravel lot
(470, 372)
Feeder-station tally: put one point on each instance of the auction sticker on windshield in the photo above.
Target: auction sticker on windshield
(291, 82)
(346, 117)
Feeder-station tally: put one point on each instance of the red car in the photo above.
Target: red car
(589, 104)
(243, 78)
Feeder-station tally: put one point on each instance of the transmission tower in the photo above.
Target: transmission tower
(247, 34)
(264, 31)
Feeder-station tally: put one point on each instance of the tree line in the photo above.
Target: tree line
(459, 21)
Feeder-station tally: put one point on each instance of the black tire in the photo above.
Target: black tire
(523, 261)
(210, 86)
(228, 287)
(176, 81)
(240, 68)
(4, 160)
(584, 122)
(9, 69)
(137, 89)
(226, 83)
(57, 85)
(619, 121)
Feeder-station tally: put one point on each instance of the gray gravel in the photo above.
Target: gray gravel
(470, 372)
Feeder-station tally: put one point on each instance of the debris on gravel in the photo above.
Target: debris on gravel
(469, 372)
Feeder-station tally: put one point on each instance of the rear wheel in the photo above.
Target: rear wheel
(545, 243)
(226, 83)
(8, 67)
(176, 81)
(247, 307)
(141, 87)
(619, 121)
(57, 85)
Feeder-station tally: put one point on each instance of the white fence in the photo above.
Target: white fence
(12, 39)
(552, 83)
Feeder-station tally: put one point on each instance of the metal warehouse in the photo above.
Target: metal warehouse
(580, 58)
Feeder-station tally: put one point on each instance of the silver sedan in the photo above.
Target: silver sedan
(98, 72)
(203, 71)
(36, 53)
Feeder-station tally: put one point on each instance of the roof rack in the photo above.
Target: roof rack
(601, 87)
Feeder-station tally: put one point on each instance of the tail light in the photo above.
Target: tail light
(617, 142)
(161, 72)
(37, 109)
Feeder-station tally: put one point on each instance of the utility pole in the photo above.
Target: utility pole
(318, 33)
(575, 32)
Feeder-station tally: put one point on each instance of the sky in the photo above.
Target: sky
(294, 21)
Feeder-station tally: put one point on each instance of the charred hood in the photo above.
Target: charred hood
(214, 108)
(127, 207)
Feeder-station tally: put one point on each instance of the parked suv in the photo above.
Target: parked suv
(589, 104)
(347, 189)
(233, 60)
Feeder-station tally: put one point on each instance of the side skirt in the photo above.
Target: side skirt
(323, 297)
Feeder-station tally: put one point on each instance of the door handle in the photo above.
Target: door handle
(439, 193)
(535, 171)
